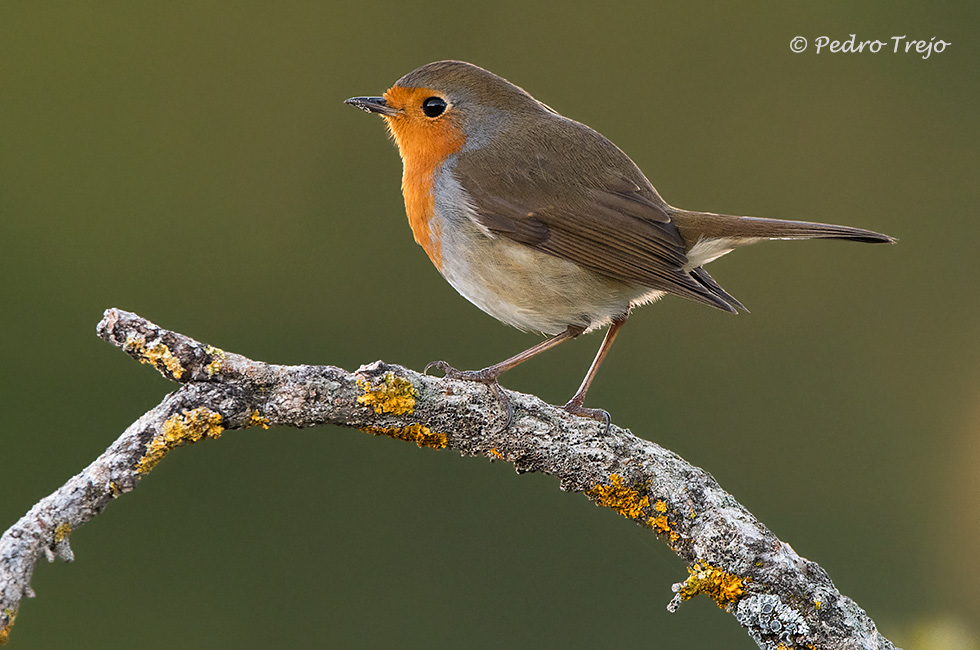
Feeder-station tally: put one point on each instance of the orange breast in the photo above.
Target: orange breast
(424, 144)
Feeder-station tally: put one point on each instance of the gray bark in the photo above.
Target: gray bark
(780, 598)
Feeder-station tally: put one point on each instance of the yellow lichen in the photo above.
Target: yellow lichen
(257, 420)
(624, 500)
(135, 343)
(723, 587)
(157, 354)
(178, 430)
(114, 489)
(218, 357)
(11, 615)
(61, 531)
(817, 603)
(496, 454)
(394, 395)
(417, 433)
(659, 523)
(660, 505)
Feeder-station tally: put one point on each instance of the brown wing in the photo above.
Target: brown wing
(574, 199)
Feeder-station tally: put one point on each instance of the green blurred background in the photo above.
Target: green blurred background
(193, 162)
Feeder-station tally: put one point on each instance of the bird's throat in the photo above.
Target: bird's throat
(424, 149)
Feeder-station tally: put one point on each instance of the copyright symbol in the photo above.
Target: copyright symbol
(798, 44)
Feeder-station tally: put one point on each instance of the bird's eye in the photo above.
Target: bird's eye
(434, 106)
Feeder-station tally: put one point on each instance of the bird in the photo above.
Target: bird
(543, 223)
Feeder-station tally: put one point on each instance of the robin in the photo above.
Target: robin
(545, 224)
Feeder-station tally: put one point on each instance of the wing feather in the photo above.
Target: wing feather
(599, 219)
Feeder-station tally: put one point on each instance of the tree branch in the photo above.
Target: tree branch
(782, 600)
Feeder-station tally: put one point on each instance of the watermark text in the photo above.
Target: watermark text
(895, 45)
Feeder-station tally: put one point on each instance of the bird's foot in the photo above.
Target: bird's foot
(488, 377)
(575, 407)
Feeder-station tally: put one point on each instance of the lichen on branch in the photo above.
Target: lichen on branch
(781, 599)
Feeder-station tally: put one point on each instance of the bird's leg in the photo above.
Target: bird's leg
(574, 405)
(490, 374)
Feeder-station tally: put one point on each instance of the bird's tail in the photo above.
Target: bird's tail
(709, 236)
(698, 226)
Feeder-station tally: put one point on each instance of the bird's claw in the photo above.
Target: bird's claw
(441, 365)
(487, 377)
(601, 415)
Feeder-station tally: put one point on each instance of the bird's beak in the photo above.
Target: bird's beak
(372, 105)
